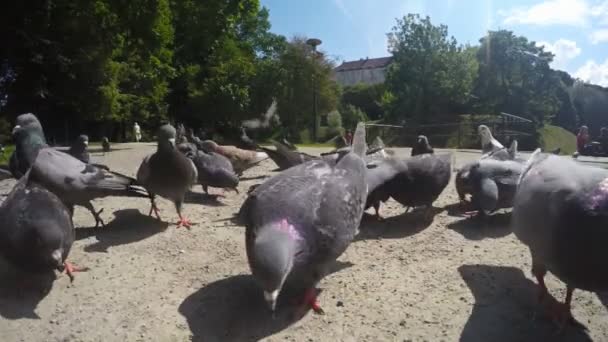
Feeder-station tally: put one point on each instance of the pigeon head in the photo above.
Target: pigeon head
(484, 132)
(27, 125)
(82, 140)
(209, 146)
(46, 239)
(273, 256)
(166, 137)
(423, 140)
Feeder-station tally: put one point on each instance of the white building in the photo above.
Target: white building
(366, 71)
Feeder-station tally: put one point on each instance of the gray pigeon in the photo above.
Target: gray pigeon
(561, 213)
(504, 153)
(215, 170)
(73, 181)
(415, 181)
(299, 221)
(241, 159)
(79, 149)
(36, 233)
(422, 146)
(187, 148)
(27, 149)
(488, 143)
(105, 144)
(491, 183)
(285, 157)
(167, 173)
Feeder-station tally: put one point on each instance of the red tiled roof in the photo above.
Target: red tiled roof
(368, 63)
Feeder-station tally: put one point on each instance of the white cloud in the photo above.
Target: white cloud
(564, 51)
(559, 12)
(593, 72)
(599, 36)
(550, 12)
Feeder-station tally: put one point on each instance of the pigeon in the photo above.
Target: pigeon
(488, 143)
(241, 159)
(422, 146)
(246, 141)
(192, 138)
(301, 220)
(79, 149)
(415, 181)
(187, 148)
(285, 157)
(37, 232)
(504, 153)
(105, 144)
(26, 151)
(74, 182)
(560, 213)
(215, 170)
(167, 173)
(491, 183)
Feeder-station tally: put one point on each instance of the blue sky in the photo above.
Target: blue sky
(576, 31)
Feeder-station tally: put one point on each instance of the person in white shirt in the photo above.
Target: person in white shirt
(137, 132)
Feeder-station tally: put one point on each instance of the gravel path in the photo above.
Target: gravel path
(403, 279)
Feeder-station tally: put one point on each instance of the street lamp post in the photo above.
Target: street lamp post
(314, 42)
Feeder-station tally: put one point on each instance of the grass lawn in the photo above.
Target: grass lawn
(552, 137)
(7, 154)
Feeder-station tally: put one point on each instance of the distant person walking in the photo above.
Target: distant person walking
(348, 137)
(136, 132)
(582, 138)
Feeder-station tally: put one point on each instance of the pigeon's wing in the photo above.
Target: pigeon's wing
(382, 172)
(486, 195)
(143, 173)
(72, 179)
(296, 190)
(14, 166)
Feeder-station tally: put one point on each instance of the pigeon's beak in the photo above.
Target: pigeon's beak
(172, 141)
(86, 143)
(57, 255)
(271, 299)
(15, 129)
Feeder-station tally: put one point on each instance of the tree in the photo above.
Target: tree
(515, 77)
(430, 73)
(367, 97)
(298, 66)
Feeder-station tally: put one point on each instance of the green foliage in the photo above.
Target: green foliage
(552, 137)
(515, 77)
(4, 157)
(430, 74)
(334, 119)
(352, 115)
(367, 97)
(301, 72)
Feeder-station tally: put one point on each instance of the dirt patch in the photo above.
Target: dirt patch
(405, 278)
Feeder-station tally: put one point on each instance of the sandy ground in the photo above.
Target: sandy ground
(403, 279)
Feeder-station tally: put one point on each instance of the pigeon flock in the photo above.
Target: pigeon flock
(301, 219)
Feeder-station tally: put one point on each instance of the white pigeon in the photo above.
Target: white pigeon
(488, 143)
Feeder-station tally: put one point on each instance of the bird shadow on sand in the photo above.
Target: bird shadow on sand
(458, 209)
(396, 227)
(233, 309)
(493, 227)
(506, 308)
(18, 301)
(129, 226)
(204, 199)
